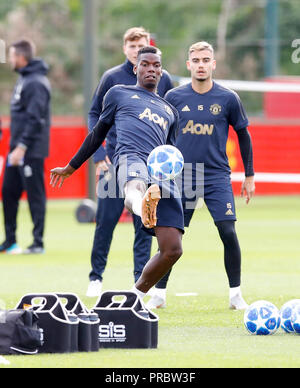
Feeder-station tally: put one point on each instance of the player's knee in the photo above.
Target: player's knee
(172, 253)
(227, 231)
(229, 235)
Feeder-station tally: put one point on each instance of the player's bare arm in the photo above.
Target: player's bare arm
(102, 165)
(248, 188)
(59, 174)
(91, 143)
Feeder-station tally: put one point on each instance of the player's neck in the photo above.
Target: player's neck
(151, 90)
(202, 86)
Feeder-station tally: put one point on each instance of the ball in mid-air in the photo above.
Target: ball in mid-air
(165, 163)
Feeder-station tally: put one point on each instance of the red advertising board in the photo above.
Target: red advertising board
(276, 150)
(67, 135)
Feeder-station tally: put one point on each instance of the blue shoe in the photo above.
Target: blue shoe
(10, 249)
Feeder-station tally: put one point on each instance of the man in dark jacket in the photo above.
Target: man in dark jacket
(29, 146)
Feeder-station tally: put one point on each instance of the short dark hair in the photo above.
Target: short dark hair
(148, 49)
(25, 47)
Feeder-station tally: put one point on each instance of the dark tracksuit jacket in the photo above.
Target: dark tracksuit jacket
(30, 127)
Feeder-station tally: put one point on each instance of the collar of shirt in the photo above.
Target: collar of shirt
(128, 66)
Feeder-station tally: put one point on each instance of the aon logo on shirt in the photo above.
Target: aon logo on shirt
(197, 128)
(154, 117)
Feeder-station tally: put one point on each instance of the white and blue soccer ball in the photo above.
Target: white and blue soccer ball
(165, 162)
(295, 318)
(262, 318)
(286, 315)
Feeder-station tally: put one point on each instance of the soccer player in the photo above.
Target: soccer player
(110, 208)
(143, 121)
(206, 109)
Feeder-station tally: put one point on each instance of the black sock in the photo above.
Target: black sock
(232, 252)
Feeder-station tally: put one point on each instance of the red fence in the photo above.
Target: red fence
(67, 135)
(276, 146)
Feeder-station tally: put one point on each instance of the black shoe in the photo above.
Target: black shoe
(34, 250)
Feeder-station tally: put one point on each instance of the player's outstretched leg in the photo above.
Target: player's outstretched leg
(149, 206)
(142, 201)
(134, 193)
(170, 250)
(159, 293)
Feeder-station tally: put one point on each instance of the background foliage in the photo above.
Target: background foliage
(56, 26)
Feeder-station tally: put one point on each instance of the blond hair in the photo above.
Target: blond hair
(199, 46)
(136, 33)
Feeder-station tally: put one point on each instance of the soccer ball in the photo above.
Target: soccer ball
(286, 315)
(295, 318)
(262, 318)
(165, 163)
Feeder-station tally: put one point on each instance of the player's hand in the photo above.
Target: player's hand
(16, 156)
(102, 165)
(59, 174)
(248, 188)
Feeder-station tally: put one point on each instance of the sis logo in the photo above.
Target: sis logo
(112, 333)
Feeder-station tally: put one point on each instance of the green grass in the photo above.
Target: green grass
(194, 331)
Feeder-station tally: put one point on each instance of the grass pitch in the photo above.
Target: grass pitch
(194, 331)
